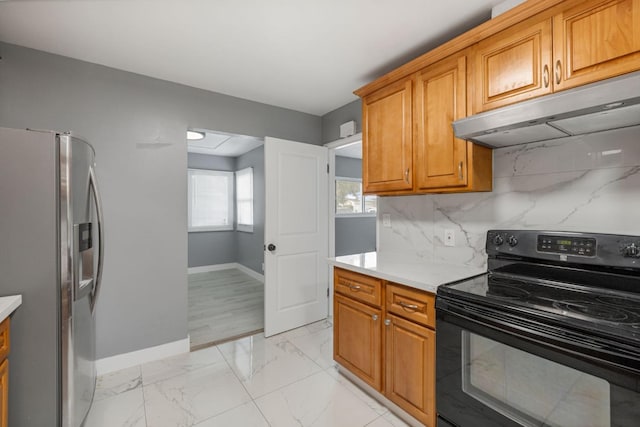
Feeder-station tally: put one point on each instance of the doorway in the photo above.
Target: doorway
(226, 211)
(352, 214)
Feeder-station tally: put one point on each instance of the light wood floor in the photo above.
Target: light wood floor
(222, 305)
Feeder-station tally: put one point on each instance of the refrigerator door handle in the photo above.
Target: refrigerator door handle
(98, 201)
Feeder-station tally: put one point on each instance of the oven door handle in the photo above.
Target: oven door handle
(547, 335)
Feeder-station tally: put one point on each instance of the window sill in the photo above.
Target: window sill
(209, 229)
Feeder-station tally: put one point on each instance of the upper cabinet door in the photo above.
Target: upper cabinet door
(595, 40)
(513, 65)
(440, 157)
(387, 139)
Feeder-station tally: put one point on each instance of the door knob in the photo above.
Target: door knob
(271, 247)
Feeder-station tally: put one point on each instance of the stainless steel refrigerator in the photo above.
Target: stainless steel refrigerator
(51, 252)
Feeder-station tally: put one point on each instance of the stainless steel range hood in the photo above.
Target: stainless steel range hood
(606, 105)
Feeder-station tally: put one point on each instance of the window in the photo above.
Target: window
(210, 200)
(349, 198)
(244, 199)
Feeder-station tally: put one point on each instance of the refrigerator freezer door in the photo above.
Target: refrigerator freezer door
(78, 323)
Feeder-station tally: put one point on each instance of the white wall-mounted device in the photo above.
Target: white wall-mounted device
(348, 129)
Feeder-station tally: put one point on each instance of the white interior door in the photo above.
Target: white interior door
(296, 235)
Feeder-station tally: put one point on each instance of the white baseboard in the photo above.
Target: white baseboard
(138, 357)
(259, 277)
(217, 267)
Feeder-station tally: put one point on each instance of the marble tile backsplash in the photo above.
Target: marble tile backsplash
(586, 183)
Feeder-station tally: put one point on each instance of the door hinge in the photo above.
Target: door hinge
(327, 292)
(327, 167)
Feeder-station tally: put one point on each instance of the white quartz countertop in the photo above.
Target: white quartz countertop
(8, 304)
(424, 275)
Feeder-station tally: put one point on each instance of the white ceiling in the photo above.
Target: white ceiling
(305, 55)
(353, 150)
(223, 144)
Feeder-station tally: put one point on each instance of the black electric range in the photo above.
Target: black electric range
(558, 301)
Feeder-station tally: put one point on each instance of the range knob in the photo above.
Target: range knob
(498, 240)
(512, 240)
(631, 251)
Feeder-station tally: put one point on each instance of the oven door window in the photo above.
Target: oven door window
(529, 389)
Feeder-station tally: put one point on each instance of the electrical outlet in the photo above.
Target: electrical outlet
(386, 220)
(449, 237)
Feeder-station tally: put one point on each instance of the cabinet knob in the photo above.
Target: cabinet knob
(387, 322)
(374, 317)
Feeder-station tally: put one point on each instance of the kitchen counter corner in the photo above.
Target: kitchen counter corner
(8, 305)
(426, 275)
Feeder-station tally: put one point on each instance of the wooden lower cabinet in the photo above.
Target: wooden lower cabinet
(410, 368)
(4, 393)
(389, 345)
(357, 339)
(4, 372)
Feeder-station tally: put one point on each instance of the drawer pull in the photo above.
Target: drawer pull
(408, 307)
(354, 288)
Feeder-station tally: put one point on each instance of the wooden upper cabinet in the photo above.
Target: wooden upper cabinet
(442, 162)
(387, 139)
(595, 40)
(513, 65)
(440, 158)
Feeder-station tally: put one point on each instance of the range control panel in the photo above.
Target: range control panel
(571, 245)
(613, 250)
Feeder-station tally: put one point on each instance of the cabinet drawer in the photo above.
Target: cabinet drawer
(4, 339)
(411, 304)
(358, 286)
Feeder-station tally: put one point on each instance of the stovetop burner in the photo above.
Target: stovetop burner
(504, 289)
(596, 310)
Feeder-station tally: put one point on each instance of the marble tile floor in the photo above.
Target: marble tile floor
(224, 304)
(281, 381)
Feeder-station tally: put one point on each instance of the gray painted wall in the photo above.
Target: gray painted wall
(348, 167)
(221, 247)
(211, 247)
(331, 121)
(207, 161)
(250, 251)
(353, 235)
(137, 126)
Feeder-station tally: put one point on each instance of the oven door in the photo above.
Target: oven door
(496, 372)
